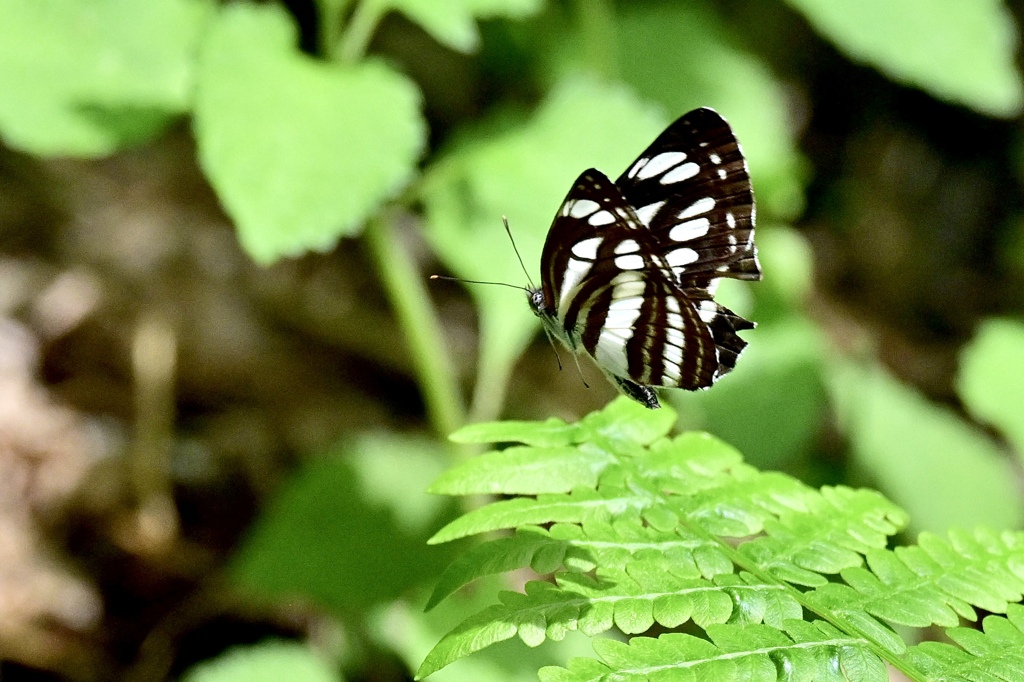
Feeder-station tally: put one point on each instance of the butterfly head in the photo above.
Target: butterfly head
(537, 304)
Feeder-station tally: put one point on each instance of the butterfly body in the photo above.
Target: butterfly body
(629, 268)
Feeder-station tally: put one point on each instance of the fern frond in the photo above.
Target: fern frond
(933, 583)
(995, 654)
(732, 652)
(639, 529)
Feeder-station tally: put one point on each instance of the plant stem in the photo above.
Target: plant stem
(359, 31)
(330, 13)
(489, 390)
(596, 19)
(421, 326)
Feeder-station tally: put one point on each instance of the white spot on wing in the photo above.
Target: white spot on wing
(681, 257)
(627, 285)
(670, 375)
(611, 352)
(730, 220)
(630, 261)
(674, 339)
(708, 311)
(722, 173)
(660, 163)
(696, 208)
(582, 207)
(691, 229)
(622, 313)
(640, 163)
(627, 246)
(575, 271)
(646, 213)
(618, 325)
(680, 173)
(715, 158)
(601, 218)
(586, 248)
(673, 354)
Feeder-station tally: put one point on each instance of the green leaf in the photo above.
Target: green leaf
(550, 433)
(453, 22)
(499, 556)
(86, 77)
(265, 662)
(524, 173)
(991, 380)
(331, 528)
(627, 421)
(680, 530)
(996, 654)
(482, 630)
(524, 470)
(831, 532)
(300, 152)
(963, 52)
(747, 652)
(936, 583)
(581, 505)
(411, 632)
(943, 471)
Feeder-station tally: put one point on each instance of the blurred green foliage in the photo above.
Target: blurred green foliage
(265, 662)
(960, 51)
(253, 88)
(305, 149)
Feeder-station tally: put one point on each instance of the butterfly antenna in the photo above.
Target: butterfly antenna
(446, 278)
(508, 231)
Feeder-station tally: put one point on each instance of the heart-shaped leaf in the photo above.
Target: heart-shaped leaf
(300, 152)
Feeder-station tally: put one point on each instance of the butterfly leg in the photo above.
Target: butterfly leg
(644, 395)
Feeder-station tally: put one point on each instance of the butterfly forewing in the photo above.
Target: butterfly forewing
(629, 268)
(692, 189)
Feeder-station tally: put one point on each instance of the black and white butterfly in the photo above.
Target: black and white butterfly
(629, 269)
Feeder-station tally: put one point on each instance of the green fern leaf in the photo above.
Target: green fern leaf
(734, 652)
(579, 506)
(833, 532)
(995, 654)
(525, 471)
(639, 530)
(550, 433)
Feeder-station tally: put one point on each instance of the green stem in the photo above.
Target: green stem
(331, 12)
(359, 31)
(421, 327)
(489, 390)
(596, 20)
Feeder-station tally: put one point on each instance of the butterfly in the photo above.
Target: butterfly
(629, 268)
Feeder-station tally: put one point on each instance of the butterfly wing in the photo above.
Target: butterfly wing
(691, 188)
(609, 292)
